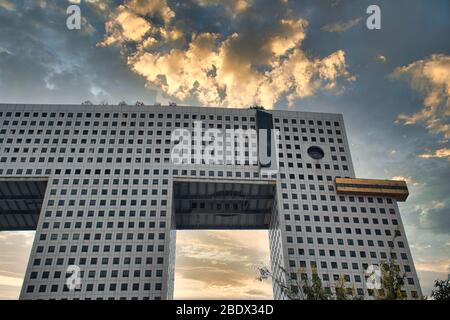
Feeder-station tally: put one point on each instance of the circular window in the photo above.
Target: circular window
(316, 152)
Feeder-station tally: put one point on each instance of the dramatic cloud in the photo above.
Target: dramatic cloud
(441, 153)
(153, 8)
(410, 181)
(442, 266)
(15, 248)
(8, 5)
(431, 77)
(221, 265)
(126, 26)
(342, 26)
(433, 216)
(43, 62)
(236, 69)
(131, 21)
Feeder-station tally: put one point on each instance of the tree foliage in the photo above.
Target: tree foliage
(441, 290)
(313, 289)
(341, 290)
(392, 281)
(307, 288)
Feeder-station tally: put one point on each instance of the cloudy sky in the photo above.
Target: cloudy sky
(392, 86)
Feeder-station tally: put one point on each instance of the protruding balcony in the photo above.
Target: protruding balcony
(371, 187)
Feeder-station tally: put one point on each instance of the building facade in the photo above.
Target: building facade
(101, 189)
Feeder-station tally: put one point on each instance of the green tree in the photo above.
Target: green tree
(344, 292)
(296, 290)
(441, 290)
(313, 289)
(341, 290)
(392, 280)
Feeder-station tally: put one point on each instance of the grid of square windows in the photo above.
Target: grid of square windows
(107, 206)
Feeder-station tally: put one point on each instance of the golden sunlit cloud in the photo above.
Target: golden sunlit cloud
(8, 5)
(126, 26)
(441, 153)
(15, 250)
(437, 266)
(431, 77)
(10, 281)
(221, 265)
(234, 70)
(154, 7)
(410, 181)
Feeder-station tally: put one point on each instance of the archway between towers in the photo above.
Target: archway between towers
(203, 204)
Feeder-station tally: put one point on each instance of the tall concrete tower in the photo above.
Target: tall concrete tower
(101, 189)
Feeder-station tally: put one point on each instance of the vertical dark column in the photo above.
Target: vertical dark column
(264, 127)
